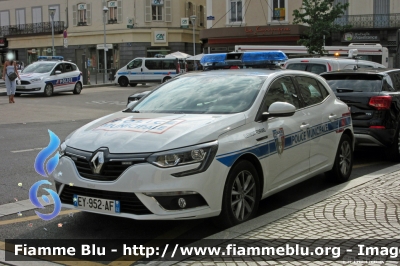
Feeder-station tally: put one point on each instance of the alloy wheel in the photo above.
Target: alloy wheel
(243, 195)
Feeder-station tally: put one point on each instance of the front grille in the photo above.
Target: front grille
(24, 82)
(114, 164)
(129, 201)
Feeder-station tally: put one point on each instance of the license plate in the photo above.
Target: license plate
(96, 204)
(21, 87)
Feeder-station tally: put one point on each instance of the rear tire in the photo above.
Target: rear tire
(343, 165)
(166, 79)
(78, 88)
(133, 84)
(241, 195)
(123, 82)
(393, 151)
(48, 90)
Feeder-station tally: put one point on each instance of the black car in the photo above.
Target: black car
(137, 96)
(374, 100)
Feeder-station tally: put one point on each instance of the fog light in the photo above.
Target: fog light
(182, 202)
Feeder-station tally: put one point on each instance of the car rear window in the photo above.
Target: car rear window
(354, 83)
(313, 68)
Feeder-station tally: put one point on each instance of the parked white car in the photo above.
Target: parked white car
(206, 144)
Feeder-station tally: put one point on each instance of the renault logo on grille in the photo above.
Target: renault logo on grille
(97, 162)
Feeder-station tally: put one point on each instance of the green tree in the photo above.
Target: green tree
(320, 16)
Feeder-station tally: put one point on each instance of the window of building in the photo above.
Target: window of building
(4, 18)
(201, 16)
(112, 12)
(37, 14)
(278, 11)
(157, 13)
(82, 19)
(236, 11)
(56, 14)
(20, 17)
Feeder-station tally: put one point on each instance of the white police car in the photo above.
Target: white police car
(49, 75)
(210, 143)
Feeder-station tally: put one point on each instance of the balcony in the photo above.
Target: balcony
(42, 28)
(371, 21)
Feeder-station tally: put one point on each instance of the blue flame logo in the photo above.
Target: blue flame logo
(40, 169)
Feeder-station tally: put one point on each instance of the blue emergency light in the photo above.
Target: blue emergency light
(243, 60)
(50, 58)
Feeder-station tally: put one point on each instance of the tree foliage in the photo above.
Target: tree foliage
(320, 16)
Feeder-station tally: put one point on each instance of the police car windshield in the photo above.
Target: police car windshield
(203, 94)
(42, 67)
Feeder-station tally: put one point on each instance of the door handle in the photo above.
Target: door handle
(141, 70)
(332, 116)
(304, 126)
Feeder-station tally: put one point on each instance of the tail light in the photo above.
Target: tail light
(178, 68)
(329, 67)
(380, 102)
(377, 127)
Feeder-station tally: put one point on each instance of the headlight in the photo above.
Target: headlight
(203, 154)
(36, 80)
(61, 149)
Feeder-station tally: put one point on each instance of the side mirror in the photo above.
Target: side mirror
(278, 109)
(58, 72)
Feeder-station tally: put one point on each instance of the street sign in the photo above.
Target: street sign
(185, 23)
(65, 42)
(48, 50)
(210, 18)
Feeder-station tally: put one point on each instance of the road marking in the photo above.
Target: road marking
(34, 217)
(34, 149)
(157, 242)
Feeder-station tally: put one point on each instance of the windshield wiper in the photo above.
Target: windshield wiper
(346, 90)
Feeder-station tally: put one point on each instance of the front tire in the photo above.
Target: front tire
(78, 88)
(123, 82)
(241, 195)
(48, 90)
(343, 165)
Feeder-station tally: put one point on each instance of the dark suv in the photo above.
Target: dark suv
(374, 98)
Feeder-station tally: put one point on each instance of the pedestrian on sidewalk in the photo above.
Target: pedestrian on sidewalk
(10, 66)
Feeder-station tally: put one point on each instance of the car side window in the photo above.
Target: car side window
(281, 90)
(310, 90)
(297, 66)
(135, 64)
(316, 68)
(153, 64)
(67, 67)
(59, 67)
(74, 67)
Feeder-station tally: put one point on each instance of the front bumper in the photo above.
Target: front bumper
(143, 184)
(31, 88)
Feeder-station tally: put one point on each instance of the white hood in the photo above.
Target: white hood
(138, 133)
(29, 76)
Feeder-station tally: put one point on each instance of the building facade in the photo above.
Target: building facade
(270, 22)
(133, 28)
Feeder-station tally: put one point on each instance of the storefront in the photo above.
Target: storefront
(221, 40)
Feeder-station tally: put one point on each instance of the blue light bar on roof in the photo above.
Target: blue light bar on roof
(243, 59)
(50, 58)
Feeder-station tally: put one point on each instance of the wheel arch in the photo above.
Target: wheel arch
(349, 133)
(250, 157)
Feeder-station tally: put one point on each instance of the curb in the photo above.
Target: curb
(4, 93)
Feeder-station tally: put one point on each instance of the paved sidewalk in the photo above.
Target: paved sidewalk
(367, 211)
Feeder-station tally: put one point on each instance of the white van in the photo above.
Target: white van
(148, 70)
(326, 64)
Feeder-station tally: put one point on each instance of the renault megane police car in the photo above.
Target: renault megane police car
(49, 75)
(208, 144)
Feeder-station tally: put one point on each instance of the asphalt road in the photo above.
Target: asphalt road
(24, 131)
